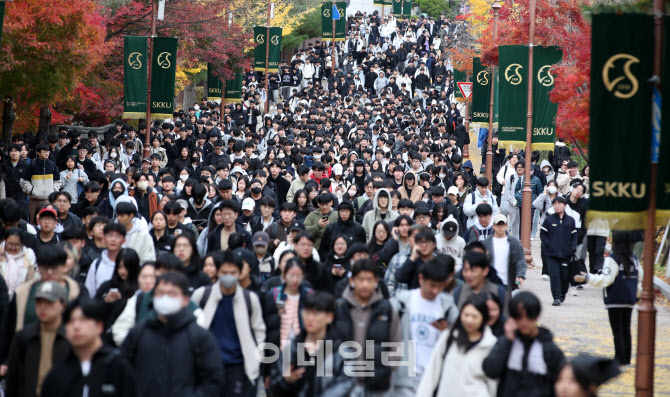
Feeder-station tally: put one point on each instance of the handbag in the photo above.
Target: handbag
(575, 267)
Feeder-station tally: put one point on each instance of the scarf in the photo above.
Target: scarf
(12, 271)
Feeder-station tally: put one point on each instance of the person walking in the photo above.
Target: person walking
(559, 238)
(620, 278)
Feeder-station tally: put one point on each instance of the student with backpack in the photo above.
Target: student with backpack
(235, 318)
(170, 353)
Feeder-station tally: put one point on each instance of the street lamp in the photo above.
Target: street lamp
(496, 6)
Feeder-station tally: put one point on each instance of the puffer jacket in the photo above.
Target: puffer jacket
(40, 179)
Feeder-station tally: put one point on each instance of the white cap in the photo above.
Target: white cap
(453, 190)
(337, 169)
(248, 204)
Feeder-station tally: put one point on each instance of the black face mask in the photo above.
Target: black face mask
(255, 190)
(116, 194)
(198, 201)
(194, 159)
(204, 177)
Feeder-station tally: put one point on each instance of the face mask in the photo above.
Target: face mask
(281, 155)
(166, 305)
(228, 281)
(204, 177)
(425, 200)
(255, 190)
(183, 177)
(194, 159)
(552, 189)
(116, 194)
(112, 155)
(442, 176)
(352, 193)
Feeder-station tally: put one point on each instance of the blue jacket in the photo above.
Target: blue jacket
(559, 236)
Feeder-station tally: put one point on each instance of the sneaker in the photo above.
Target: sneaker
(580, 287)
(574, 291)
(545, 277)
(556, 302)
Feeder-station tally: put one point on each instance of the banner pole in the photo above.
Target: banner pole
(646, 335)
(526, 193)
(267, 62)
(489, 147)
(466, 122)
(333, 56)
(150, 58)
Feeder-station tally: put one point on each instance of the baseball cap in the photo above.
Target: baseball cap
(337, 169)
(499, 218)
(450, 228)
(261, 238)
(124, 137)
(453, 190)
(248, 204)
(146, 159)
(49, 211)
(51, 291)
(296, 226)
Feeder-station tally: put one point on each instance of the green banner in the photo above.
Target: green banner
(2, 17)
(274, 50)
(496, 95)
(459, 77)
(481, 91)
(214, 84)
(234, 89)
(544, 111)
(402, 8)
(663, 188)
(513, 61)
(163, 68)
(327, 21)
(621, 65)
(134, 77)
(388, 3)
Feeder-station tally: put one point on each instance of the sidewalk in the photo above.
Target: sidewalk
(581, 324)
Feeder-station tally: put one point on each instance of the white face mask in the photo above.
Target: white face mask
(167, 305)
(112, 155)
(552, 189)
(352, 193)
(183, 177)
(281, 155)
(143, 185)
(442, 176)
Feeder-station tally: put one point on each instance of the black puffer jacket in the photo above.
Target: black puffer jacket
(353, 231)
(177, 358)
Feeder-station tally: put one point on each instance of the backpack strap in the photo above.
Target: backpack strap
(473, 197)
(205, 296)
(247, 301)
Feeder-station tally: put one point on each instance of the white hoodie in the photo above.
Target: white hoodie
(453, 246)
(139, 239)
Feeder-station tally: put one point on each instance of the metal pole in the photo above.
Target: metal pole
(223, 79)
(646, 334)
(489, 148)
(150, 56)
(333, 56)
(466, 123)
(267, 62)
(526, 194)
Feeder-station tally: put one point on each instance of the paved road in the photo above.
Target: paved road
(580, 324)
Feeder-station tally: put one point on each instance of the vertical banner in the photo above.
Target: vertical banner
(459, 77)
(621, 64)
(663, 188)
(134, 77)
(164, 66)
(214, 85)
(407, 8)
(234, 89)
(2, 18)
(260, 33)
(513, 61)
(496, 92)
(544, 111)
(481, 91)
(327, 20)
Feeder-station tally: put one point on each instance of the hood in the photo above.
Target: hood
(545, 163)
(138, 224)
(191, 202)
(348, 295)
(211, 225)
(482, 228)
(112, 201)
(467, 164)
(375, 201)
(451, 218)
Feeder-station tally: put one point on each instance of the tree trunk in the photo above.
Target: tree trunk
(189, 96)
(8, 117)
(45, 123)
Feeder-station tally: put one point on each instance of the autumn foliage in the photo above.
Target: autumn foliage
(560, 23)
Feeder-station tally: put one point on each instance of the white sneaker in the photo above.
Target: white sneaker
(574, 291)
(545, 277)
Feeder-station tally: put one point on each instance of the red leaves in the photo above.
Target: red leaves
(561, 23)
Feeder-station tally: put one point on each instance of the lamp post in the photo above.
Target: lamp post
(147, 141)
(489, 148)
(526, 192)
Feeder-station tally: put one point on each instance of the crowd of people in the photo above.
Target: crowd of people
(336, 243)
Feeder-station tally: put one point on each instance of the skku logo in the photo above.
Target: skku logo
(164, 60)
(483, 77)
(134, 60)
(624, 86)
(260, 39)
(544, 76)
(326, 13)
(515, 78)
(275, 40)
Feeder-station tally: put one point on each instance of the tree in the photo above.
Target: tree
(48, 48)
(560, 23)
(309, 26)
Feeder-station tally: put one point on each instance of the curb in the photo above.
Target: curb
(662, 286)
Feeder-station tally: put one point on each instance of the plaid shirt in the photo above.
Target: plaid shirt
(389, 278)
